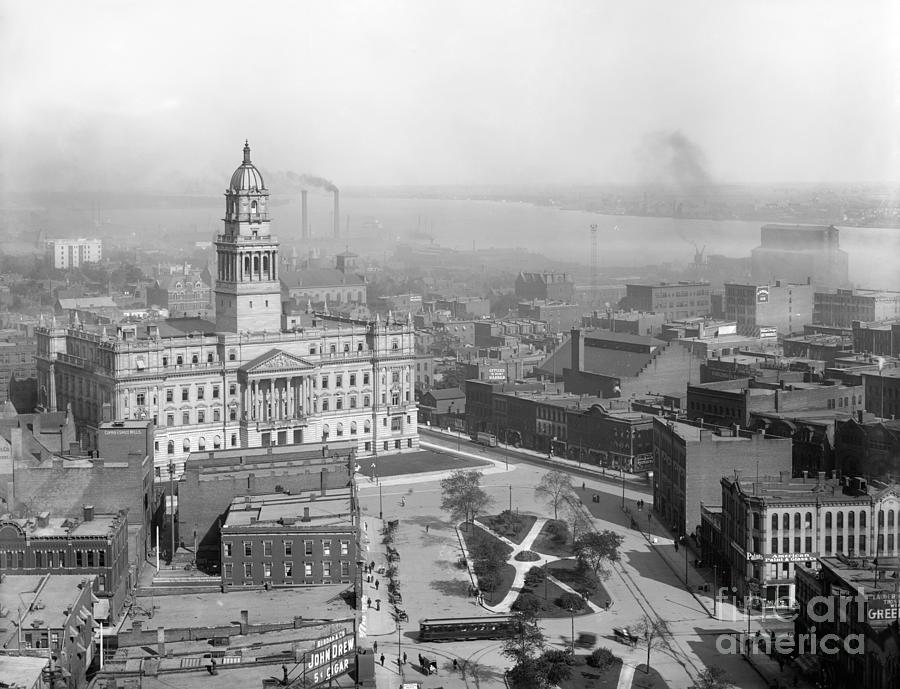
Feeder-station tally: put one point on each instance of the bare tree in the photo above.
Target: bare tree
(581, 523)
(597, 548)
(654, 632)
(555, 488)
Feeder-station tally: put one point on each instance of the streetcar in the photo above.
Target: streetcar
(467, 628)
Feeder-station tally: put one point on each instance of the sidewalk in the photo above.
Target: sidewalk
(602, 473)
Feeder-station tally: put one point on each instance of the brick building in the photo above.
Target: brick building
(96, 545)
(212, 480)
(867, 447)
(843, 306)
(17, 360)
(690, 460)
(820, 347)
(558, 315)
(865, 591)
(631, 322)
(611, 438)
(758, 309)
(883, 392)
(771, 528)
(290, 540)
(185, 295)
(56, 618)
(876, 338)
(674, 300)
(487, 412)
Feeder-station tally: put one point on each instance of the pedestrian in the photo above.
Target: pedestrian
(583, 486)
(676, 546)
(426, 528)
(608, 604)
(455, 664)
(374, 647)
(382, 660)
(377, 581)
(366, 524)
(404, 657)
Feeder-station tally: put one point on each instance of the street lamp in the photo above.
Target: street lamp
(715, 590)
(510, 498)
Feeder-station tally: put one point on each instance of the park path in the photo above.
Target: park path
(522, 568)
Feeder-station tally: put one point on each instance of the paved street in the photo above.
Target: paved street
(433, 585)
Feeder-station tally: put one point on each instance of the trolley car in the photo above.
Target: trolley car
(467, 628)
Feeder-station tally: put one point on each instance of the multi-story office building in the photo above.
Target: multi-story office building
(881, 338)
(841, 307)
(767, 529)
(94, 545)
(800, 253)
(690, 460)
(883, 392)
(184, 295)
(245, 380)
(864, 601)
(769, 309)
(290, 540)
(867, 447)
(616, 439)
(675, 300)
(71, 253)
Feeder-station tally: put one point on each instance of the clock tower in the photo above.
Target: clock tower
(248, 291)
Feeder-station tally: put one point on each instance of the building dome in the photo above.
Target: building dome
(247, 177)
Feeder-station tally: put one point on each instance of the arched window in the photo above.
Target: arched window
(179, 360)
(851, 520)
(340, 430)
(186, 445)
(797, 521)
(828, 520)
(333, 349)
(346, 347)
(325, 431)
(862, 520)
(367, 426)
(253, 207)
(256, 264)
(265, 263)
(359, 347)
(246, 265)
(201, 443)
(774, 522)
(840, 520)
(353, 428)
(170, 448)
(217, 442)
(891, 518)
(808, 520)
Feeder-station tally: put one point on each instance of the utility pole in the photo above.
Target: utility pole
(172, 506)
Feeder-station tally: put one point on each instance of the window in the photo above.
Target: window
(345, 547)
(324, 382)
(346, 347)
(352, 380)
(232, 389)
(828, 544)
(325, 404)
(232, 415)
(248, 570)
(397, 425)
(215, 392)
(179, 360)
(339, 381)
(226, 548)
(288, 548)
(307, 569)
(165, 360)
(170, 448)
(851, 520)
(185, 418)
(862, 520)
(201, 392)
(365, 378)
(217, 414)
(307, 547)
(170, 394)
(353, 428)
(326, 569)
(326, 548)
(232, 355)
(170, 419)
(267, 548)
(184, 394)
(367, 426)
(339, 403)
(288, 570)
(340, 428)
(267, 570)
(365, 400)
(345, 568)
(828, 520)
(248, 548)
(353, 401)
(201, 416)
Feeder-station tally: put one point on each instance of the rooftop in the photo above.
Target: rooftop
(22, 670)
(100, 525)
(42, 599)
(860, 574)
(331, 508)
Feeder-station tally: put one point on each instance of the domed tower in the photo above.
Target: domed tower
(248, 292)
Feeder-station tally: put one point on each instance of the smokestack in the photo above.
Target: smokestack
(337, 213)
(304, 216)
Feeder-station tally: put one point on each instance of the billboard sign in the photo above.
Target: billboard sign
(768, 331)
(762, 295)
(495, 373)
(783, 557)
(882, 609)
(330, 657)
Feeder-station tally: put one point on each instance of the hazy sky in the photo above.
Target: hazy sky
(119, 94)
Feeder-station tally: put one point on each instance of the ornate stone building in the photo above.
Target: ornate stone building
(246, 380)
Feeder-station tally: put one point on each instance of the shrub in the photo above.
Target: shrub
(527, 603)
(527, 556)
(601, 658)
(570, 601)
(559, 531)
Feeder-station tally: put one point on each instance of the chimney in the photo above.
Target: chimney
(337, 213)
(304, 215)
(87, 513)
(322, 481)
(161, 641)
(305, 514)
(245, 621)
(577, 350)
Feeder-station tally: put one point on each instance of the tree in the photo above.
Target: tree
(462, 495)
(713, 677)
(526, 642)
(654, 632)
(555, 666)
(536, 576)
(597, 548)
(581, 523)
(488, 557)
(555, 488)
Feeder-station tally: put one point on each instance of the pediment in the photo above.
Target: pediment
(276, 360)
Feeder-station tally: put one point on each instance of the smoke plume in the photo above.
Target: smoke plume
(670, 159)
(307, 181)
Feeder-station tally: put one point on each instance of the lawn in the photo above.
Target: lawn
(507, 573)
(548, 543)
(567, 571)
(586, 677)
(643, 680)
(549, 609)
(509, 524)
(414, 463)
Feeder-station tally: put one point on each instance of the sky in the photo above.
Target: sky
(113, 94)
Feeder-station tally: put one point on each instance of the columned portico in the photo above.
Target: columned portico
(277, 398)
